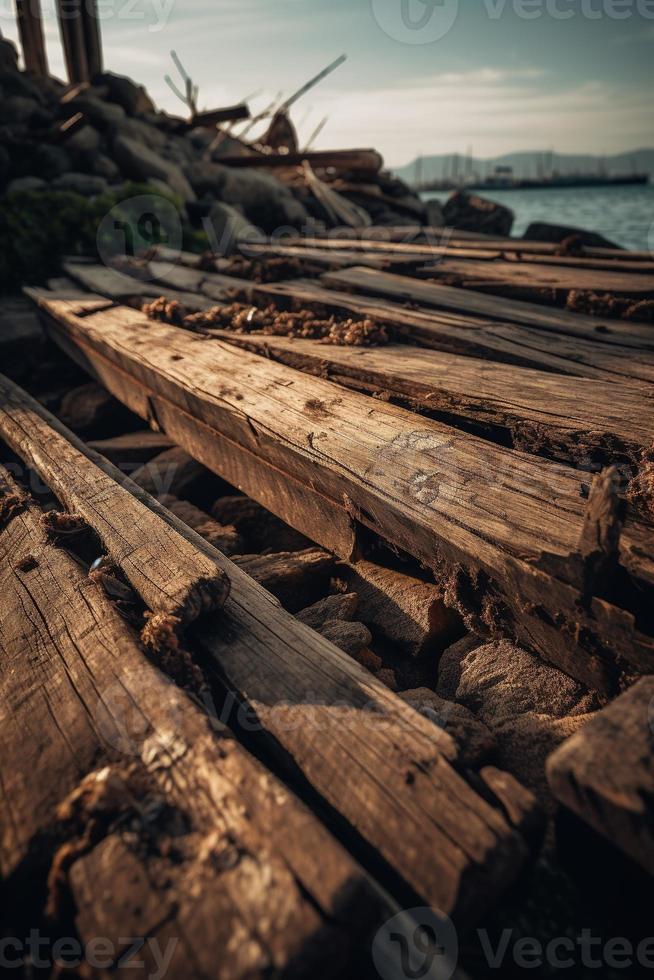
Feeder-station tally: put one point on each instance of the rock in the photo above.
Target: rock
(8, 55)
(435, 216)
(526, 742)
(267, 202)
(84, 140)
(401, 608)
(23, 185)
(542, 231)
(18, 83)
(139, 162)
(387, 677)
(449, 665)
(132, 97)
(499, 681)
(469, 212)
(351, 638)
(474, 739)
(18, 109)
(206, 177)
(101, 113)
(101, 166)
(84, 184)
(226, 226)
(143, 132)
(341, 607)
(49, 161)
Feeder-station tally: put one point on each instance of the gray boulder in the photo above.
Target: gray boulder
(49, 161)
(542, 231)
(85, 184)
(143, 132)
(102, 166)
(206, 177)
(264, 199)
(23, 185)
(140, 163)
(18, 109)
(132, 97)
(8, 55)
(469, 212)
(85, 140)
(101, 113)
(435, 216)
(225, 226)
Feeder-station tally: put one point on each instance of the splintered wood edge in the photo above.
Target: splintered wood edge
(191, 585)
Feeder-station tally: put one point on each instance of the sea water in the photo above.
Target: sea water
(625, 215)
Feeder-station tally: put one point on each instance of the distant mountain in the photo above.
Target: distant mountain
(526, 164)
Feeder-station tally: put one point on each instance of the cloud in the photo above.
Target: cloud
(492, 111)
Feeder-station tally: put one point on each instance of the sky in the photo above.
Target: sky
(422, 76)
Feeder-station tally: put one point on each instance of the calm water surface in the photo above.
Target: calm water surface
(623, 214)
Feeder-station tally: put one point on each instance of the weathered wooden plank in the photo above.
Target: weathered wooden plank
(365, 160)
(457, 237)
(574, 419)
(132, 449)
(474, 336)
(343, 728)
(253, 880)
(330, 258)
(528, 277)
(168, 574)
(30, 30)
(599, 329)
(489, 519)
(117, 286)
(71, 29)
(447, 246)
(605, 773)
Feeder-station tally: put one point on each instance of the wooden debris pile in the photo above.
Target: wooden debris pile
(340, 616)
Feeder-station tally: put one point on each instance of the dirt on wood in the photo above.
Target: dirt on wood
(243, 319)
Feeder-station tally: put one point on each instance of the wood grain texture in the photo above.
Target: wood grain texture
(246, 867)
(166, 572)
(443, 243)
(342, 727)
(474, 269)
(571, 419)
(605, 773)
(596, 355)
(601, 330)
(489, 520)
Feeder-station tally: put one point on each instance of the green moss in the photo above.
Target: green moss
(41, 228)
